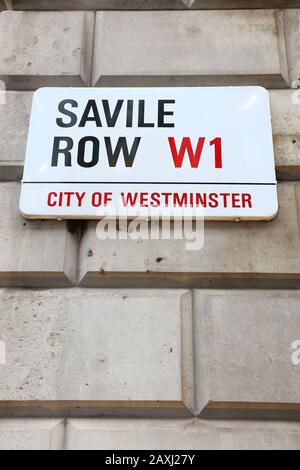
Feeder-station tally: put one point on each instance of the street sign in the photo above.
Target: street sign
(93, 152)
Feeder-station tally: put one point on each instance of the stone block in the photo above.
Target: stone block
(45, 49)
(285, 111)
(14, 121)
(248, 48)
(171, 434)
(36, 252)
(31, 434)
(96, 352)
(244, 354)
(147, 4)
(292, 35)
(249, 254)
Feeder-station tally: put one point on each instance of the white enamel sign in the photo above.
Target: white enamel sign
(206, 152)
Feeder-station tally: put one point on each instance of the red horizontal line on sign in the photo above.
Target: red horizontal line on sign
(143, 182)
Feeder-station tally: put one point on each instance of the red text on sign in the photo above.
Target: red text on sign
(178, 152)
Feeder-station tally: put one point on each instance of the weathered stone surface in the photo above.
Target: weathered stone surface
(147, 4)
(249, 48)
(33, 253)
(31, 434)
(180, 434)
(292, 35)
(243, 349)
(45, 49)
(285, 111)
(244, 254)
(287, 151)
(14, 122)
(108, 350)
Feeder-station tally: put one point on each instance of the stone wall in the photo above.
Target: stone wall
(113, 344)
